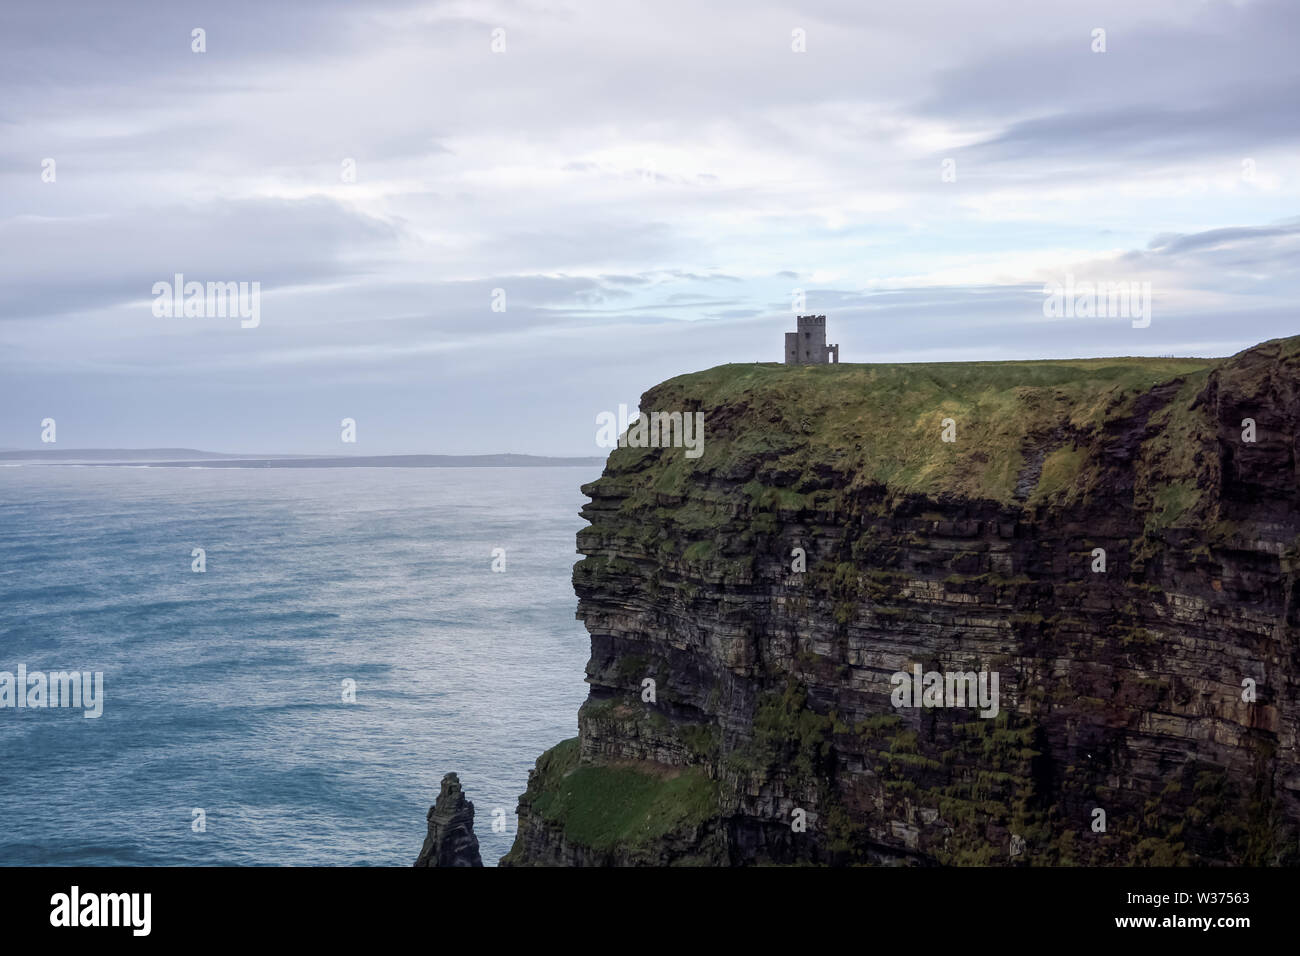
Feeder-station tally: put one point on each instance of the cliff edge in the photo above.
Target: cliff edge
(1115, 539)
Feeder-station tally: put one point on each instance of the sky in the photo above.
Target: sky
(476, 226)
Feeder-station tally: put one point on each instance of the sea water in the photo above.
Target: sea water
(227, 736)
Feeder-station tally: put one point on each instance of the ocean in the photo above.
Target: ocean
(224, 690)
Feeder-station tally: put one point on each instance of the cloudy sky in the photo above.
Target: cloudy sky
(648, 184)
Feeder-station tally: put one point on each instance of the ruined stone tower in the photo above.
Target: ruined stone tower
(808, 345)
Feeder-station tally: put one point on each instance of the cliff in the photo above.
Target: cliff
(1153, 680)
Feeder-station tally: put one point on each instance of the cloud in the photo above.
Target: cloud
(59, 265)
(771, 172)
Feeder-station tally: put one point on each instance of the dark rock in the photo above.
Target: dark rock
(451, 840)
(1162, 689)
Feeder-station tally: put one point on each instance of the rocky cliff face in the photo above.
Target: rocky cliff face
(451, 840)
(1115, 539)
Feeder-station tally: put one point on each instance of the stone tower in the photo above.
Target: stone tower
(808, 345)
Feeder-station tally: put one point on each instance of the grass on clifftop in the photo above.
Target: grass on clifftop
(882, 424)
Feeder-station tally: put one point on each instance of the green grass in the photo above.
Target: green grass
(699, 551)
(1061, 467)
(1171, 502)
(604, 807)
(882, 424)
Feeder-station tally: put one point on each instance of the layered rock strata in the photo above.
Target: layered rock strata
(1116, 539)
(450, 840)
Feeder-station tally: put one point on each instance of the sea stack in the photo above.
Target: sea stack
(451, 840)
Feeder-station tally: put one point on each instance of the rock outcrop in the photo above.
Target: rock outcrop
(1116, 539)
(451, 840)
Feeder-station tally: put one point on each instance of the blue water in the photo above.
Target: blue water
(223, 690)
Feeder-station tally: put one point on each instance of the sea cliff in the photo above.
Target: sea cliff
(1116, 539)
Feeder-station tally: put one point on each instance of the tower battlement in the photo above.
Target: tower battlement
(807, 345)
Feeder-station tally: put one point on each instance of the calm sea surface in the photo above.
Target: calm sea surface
(224, 690)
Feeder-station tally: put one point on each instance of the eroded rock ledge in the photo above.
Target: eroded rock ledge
(1121, 690)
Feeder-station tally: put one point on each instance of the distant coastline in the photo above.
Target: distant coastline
(192, 458)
